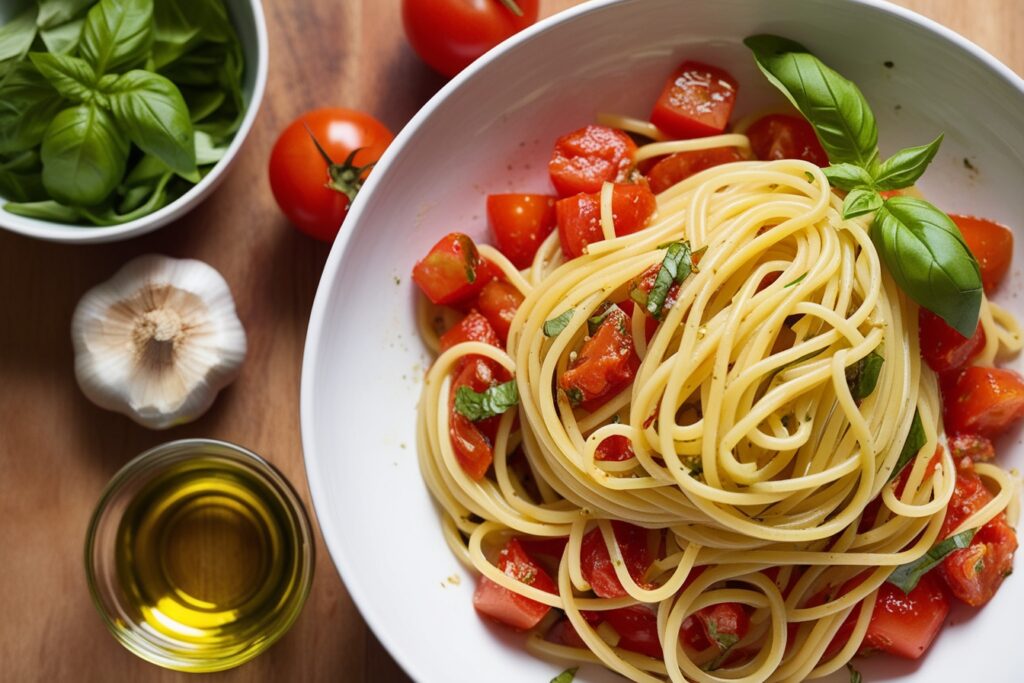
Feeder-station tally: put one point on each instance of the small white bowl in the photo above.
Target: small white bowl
(491, 130)
(249, 23)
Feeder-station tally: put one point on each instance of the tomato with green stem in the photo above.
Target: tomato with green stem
(450, 34)
(319, 163)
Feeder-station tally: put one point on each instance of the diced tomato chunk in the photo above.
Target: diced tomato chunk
(985, 401)
(473, 327)
(615, 448)
(520, 222)
(472, 446)
(605, 363)
(783, 136)
(452, 272)
(696, 102)
(499, 301)
(587, 158)
(645, 283)
(969, 496)
(551, 547)
(975, 573)
(507, 606)
(724, 624)
(596, 563)
(906, 624)
(991, 243)
(637, 626)
(974, 447)
(564, 633)
(579, 217)
(677, 167)
(942, 347)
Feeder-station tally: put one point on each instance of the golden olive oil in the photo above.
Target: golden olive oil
(206, 553)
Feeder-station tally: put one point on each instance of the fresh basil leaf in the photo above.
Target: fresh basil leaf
(927, 256)
(477, 406)
(135, 197)
(84, 156)
(911, 447)
(862, 376)
(847, 176)
(796, 281)
(594, 321)
(575, 395)
(904, 167)
(63, 39)
(676, 266)
(833, 105)
(905, 577)
(153, 114)
(203, 102)
(27, 105)
(208, 151)
(566, 676)
(158, 198)
(20, 178)
(72, 77)
(855, 676)
(17, 35)
(860, 201)
(117, 34)
(48, 210)
(181, 25)
(53, 13)
(554, 327)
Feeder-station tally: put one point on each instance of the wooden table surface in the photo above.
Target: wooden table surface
(57, 450)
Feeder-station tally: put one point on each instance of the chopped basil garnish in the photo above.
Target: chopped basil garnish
(554, 327)
(862, 376)
(594, 322)
(566, 676)
(905, 577)
(921, 247)
(723, 640)
(796, 281)
(854, 674)
(496, 400)
(675, 268)
(575, 395)
(915, 441)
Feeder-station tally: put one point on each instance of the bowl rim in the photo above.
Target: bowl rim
(339, 554)
(81, 234)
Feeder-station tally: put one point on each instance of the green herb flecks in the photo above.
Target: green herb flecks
(906, 577)
(566, 676)
(554, 327)
(862, 376)
(476, 406)
(914, 443)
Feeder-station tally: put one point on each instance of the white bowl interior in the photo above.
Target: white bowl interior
(247, 17)
(491, 131)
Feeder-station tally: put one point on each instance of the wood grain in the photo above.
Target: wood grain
(57, 450)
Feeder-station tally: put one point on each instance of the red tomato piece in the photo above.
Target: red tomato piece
(549, 547)
(605, 363)
(615, 448)
(637, 626)
(906, 624)
(473, 327)
(975, 573)
(520, 222)
(985, 401)
(645, 283)
(696, 101)
(507, 606)
(585, 159)
(991, 243)
(974, 447)
(724, 624)
(579, 217)
(678, 167)
(692, 634)
(596, 563)
(499, 301)
(942, 347)
(472, 446)
(782, 136)
(452, 271)
(564, 633)
(969, 496)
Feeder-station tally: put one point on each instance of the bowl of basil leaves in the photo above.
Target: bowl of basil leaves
(118, 116)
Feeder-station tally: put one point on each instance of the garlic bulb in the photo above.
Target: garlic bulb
(158, 340)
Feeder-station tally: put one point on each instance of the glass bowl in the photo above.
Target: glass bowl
(199, 555)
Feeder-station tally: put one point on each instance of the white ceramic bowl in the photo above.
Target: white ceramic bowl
(247, 17)
(491, 130)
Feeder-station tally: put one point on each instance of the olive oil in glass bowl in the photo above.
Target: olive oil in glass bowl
(199, 555)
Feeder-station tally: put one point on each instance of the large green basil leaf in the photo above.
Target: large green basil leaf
(927, 256)
(847, 176)
(181, 25)
(861, 200)
(158, 197)
(833, 105)
(27, 105)
(63, 39)
(20, 180)
(47, 210)
(53, 13)
(203, 102)
(153, 113)
(904, 167)
(118, 34)
(16, 35)
(72, 77)
(84, 156)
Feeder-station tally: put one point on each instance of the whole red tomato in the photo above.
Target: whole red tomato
(449, 34)
(319, 163)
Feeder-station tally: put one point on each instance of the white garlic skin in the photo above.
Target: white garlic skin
(158, 341)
